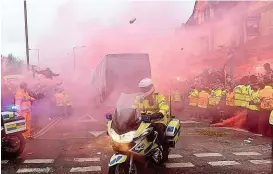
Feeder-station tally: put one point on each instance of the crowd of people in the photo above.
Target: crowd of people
(245, 103)
(35, 98)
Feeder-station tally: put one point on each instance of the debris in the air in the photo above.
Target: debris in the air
(132, 20)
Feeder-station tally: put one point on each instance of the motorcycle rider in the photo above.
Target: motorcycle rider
(150, 102)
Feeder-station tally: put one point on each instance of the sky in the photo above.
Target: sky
(46, 16)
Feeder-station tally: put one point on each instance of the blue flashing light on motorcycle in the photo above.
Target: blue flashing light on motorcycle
(108, 116)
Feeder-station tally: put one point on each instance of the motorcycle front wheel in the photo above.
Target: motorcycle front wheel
(12, 145)
(123, 168)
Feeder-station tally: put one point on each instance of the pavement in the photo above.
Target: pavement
(79, 144)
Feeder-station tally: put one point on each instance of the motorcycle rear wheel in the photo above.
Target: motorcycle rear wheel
(11, 150)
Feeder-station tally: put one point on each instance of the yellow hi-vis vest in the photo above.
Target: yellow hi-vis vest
(59, 99)
(255, 99)
(266, 96)
(271, 118)
(218, 95)
(193, 97)
(230, 99)
(242, 95)
(212, 98)
(203, 99)
(158, 104)
(68, 100)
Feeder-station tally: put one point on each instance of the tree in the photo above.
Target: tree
(13, 65)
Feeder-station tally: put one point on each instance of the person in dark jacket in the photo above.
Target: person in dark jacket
(47, 73)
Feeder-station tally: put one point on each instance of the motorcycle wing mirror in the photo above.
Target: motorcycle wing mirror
(108, 116)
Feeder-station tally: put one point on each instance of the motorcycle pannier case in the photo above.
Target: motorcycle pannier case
(13, 123)
(173, 132)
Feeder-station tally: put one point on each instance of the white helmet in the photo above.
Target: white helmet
(146, 87)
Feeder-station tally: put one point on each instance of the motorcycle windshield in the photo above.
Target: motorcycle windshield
(125, 117)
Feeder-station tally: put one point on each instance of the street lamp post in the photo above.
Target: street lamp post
(74, 55)
(38, 51)
(26, 32)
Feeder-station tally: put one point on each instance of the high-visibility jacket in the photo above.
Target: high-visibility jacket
(212, 98)
(60, 99)
(266, 96)
(158, 104)
(68, 100)
(23, 100)
(218, 95)
(271, 118)
(203, 99)
(242, 95)
(176, 97)
(230, 99)
(193, 97)
(254, 101)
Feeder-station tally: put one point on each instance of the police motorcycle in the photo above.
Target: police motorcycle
(12, 127)
(134, 140)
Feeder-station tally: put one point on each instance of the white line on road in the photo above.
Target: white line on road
(96, 133)
(178, 165)
(223, 163)
(86, 159)
(86, 169)
(45, 130)
(207, 154)
(39, 161)
(185, 122)
(34, 170)
(261, 161)
(174, 156)
(246, 153)
(4, 161)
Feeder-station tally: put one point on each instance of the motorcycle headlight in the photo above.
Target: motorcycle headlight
(124, 138)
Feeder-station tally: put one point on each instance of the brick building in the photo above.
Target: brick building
(238, 34)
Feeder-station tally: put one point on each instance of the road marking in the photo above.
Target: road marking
(86, 169)
(45, 130)
(185, 122)
(34, 170)
(178, 165)
(246, 153)
(261, 161)
(96, 133)
(223, 163)
(4, 161)
(207, 154)
(174, 156)
(86, 159)
(52, 121)
(86, 118)
(39, 161)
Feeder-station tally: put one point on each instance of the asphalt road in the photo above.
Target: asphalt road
(80, 145)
